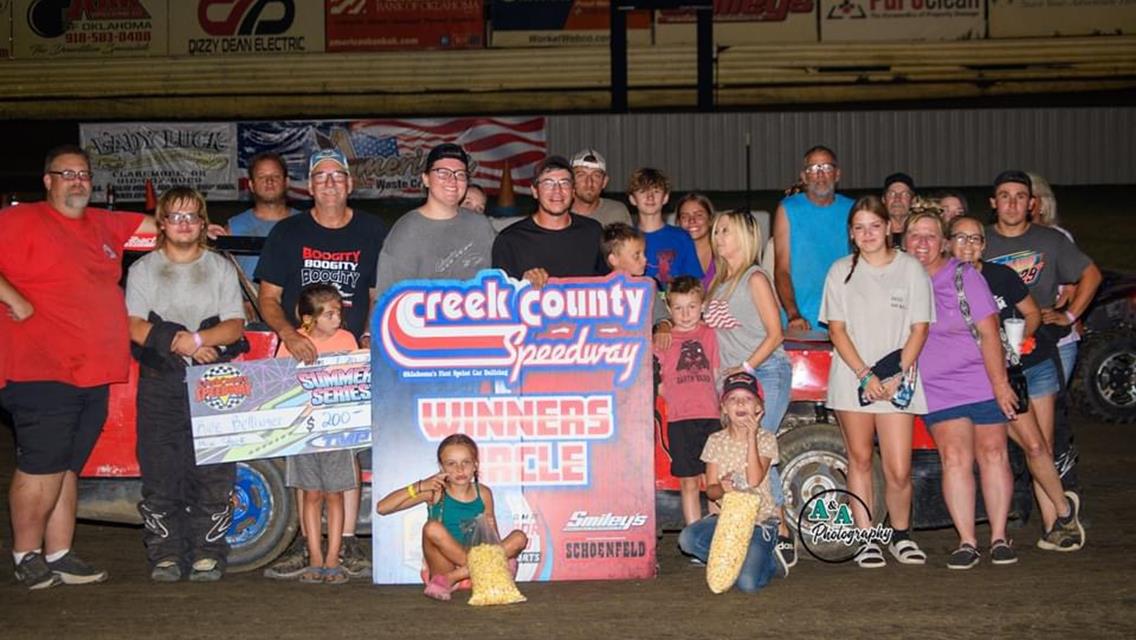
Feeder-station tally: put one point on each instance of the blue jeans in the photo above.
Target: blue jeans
(776, 379)
(759, 566)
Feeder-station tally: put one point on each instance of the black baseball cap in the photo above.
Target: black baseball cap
(1013, 175)
(899, 176)
(551, 163)
(447, 150)
(741, 380)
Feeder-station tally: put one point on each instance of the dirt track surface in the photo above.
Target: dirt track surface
(1087, 594)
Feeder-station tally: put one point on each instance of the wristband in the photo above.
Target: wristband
(866, 379)
(197, 340)
(411, 491)
(863, 371)
(1072, 318)
(748, 368)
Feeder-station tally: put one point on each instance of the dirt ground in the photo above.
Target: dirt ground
(1087, 594)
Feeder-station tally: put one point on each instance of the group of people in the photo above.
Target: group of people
(914, 301)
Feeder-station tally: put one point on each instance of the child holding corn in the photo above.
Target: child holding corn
(738, 457)
(454, 497)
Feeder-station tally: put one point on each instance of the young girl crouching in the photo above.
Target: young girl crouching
(739, 457)
(453, 497)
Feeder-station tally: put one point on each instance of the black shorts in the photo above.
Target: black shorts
(688, 438)
(56, 424)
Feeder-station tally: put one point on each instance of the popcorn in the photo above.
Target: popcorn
(489, 573)
(731, 540)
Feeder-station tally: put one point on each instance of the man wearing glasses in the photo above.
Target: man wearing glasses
(589, 171)
(184, 304)
(63, 341)
(440, 239)
(553, 242)
(330, 244)
(809, 234)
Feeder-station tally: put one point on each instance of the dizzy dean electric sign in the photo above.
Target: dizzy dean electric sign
(554, 385)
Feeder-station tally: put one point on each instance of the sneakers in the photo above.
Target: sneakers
(33, 572)
(166, 571)
(1067, 533)
(291, 563)
(72, 570)
(353, 558)
(1002, 553)
(786, 554)
(205, 570)
(965, 557)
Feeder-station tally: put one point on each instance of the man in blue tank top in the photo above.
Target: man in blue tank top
(268, 182)
(809, 234)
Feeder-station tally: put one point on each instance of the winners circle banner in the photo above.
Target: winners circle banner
(554, 386)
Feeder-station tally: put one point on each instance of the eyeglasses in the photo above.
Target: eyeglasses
(69, 175)
(184, 217)
(962, 238)
(447, 175)
(820, 167)
(548, 184)
(338, 177)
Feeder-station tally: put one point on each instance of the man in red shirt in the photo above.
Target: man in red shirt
(63, 340)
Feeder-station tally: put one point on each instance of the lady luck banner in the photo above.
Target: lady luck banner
(554, 385)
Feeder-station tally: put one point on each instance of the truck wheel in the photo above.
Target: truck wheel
(264, 515)
(813, 460)
(1104, 384)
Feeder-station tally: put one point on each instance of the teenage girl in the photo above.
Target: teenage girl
(453, 497)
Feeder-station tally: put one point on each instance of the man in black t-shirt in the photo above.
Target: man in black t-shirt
(553, 242)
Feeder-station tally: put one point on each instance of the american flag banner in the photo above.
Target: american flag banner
(387, 156)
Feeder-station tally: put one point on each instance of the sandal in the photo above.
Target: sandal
(907, 552)
(438, 588)
(312, 575)
(335, 575)
(870, 557)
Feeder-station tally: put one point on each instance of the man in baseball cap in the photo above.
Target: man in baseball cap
(899, 193)
(590, 171)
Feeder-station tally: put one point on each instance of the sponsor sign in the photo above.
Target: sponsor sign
(1026, 18)
(554, 385)
(277, 407)
(381, 25)
(388, 156)
(167, 153)
(560, 23)
(243, 27)
(878, 20)
(87, 28)
(744, 22)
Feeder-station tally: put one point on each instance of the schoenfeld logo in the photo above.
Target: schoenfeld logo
(52, 18)
(245, 17)
(828, 531)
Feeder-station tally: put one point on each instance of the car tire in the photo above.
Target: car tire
(264, 515)
(1104, 382)
(813, 460)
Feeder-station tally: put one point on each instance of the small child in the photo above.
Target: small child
(687, 366)
(453, 497)
(670, 250)
(623, 247)
(322, 477)
(739, 457)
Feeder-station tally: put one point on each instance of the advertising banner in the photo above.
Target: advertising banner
(277, 407)
(554, 386)
(916, 20)
(387, 157)
(1027, 18)
(737, 23)
(560, 23)
(88, 28)
(243, 27)
(384, 25)
(201, 155)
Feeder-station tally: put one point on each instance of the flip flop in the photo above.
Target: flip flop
(312, 575)
(439, 588)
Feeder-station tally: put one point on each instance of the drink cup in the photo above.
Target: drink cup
(1015, 333)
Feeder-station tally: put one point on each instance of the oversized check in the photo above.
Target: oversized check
(278, 407)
